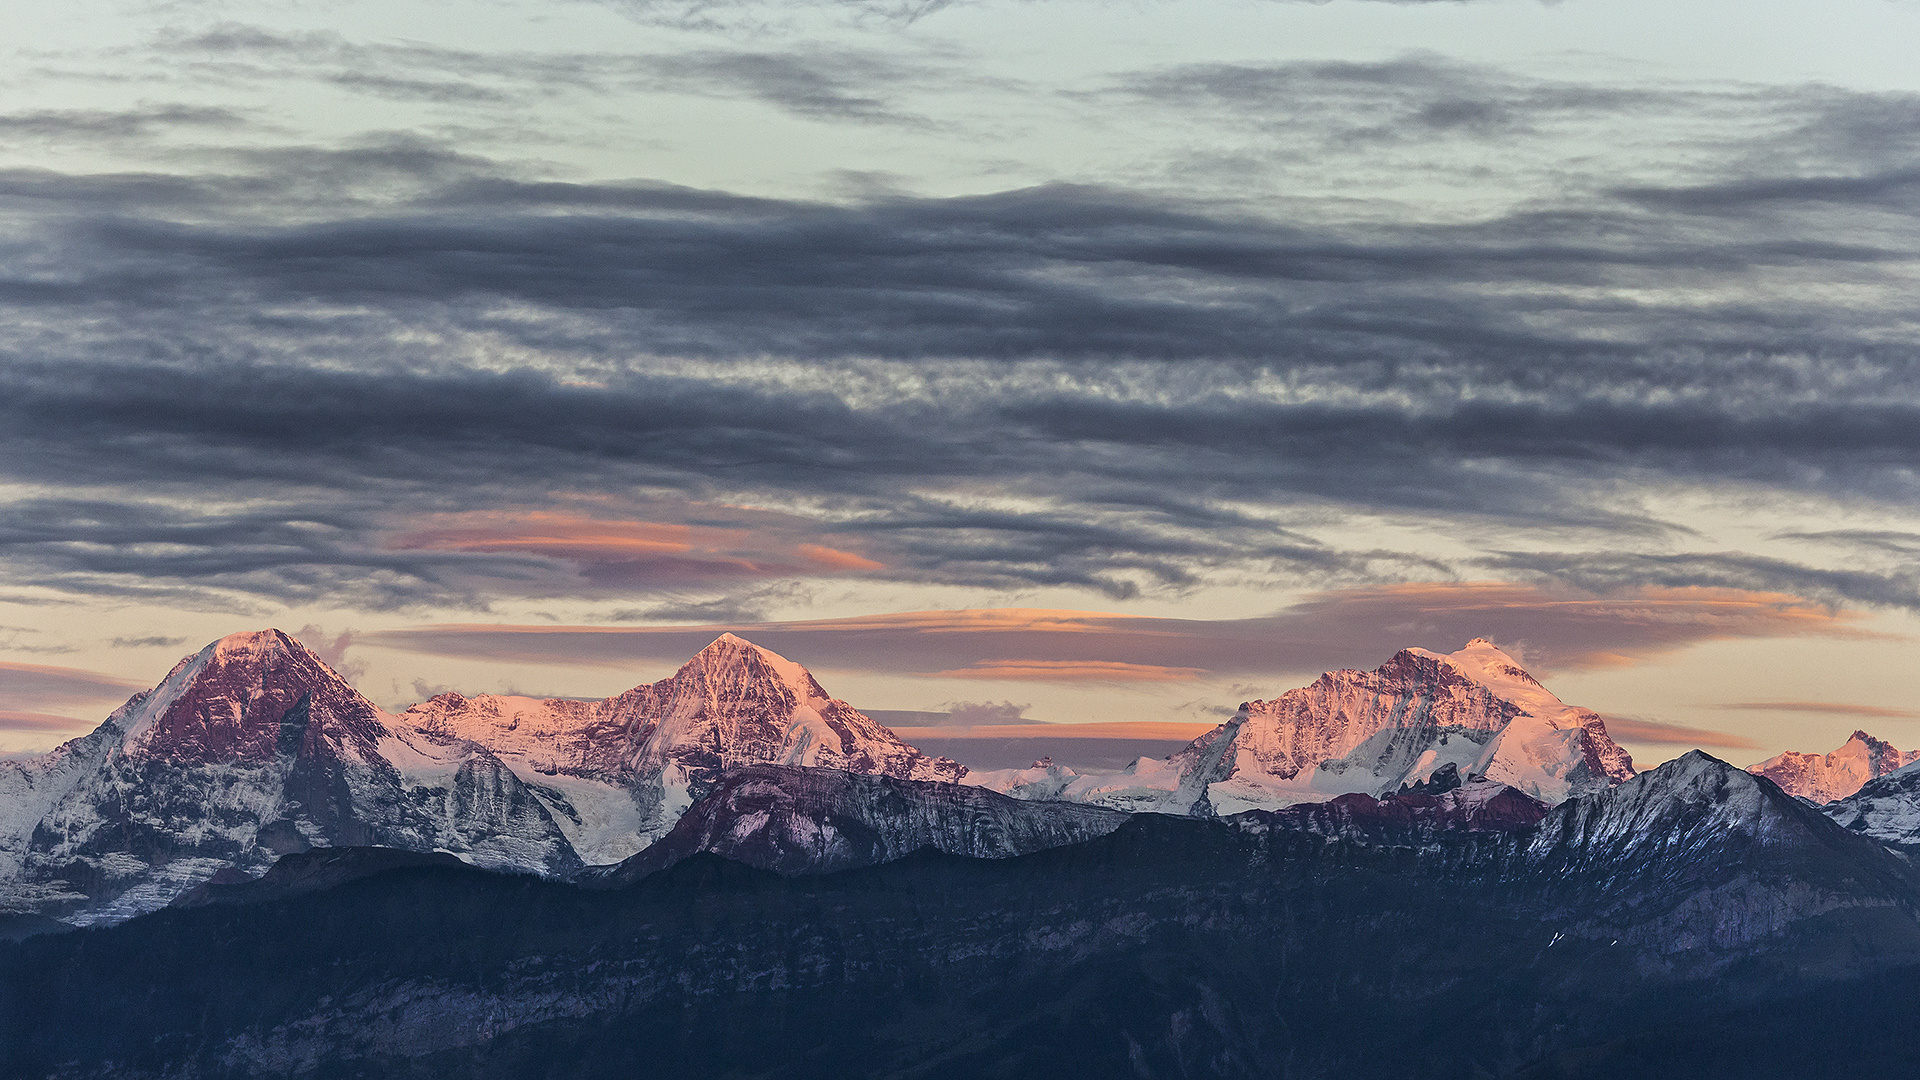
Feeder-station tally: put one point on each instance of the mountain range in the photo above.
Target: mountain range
(1691, 921)
(1435, 868)
(254, 748)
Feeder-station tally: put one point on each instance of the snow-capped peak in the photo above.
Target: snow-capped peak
(729, 651)
(1374, 732)
(244, 648)
(1551, 749)
(1491, 667)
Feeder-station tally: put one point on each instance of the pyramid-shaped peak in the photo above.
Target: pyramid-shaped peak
(1695, 787)
(727, 647)
(737, 703)
(259, 651)
(1693, 763)
(241, 698)
(1695, 776)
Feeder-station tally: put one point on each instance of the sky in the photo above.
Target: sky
(1102, 363)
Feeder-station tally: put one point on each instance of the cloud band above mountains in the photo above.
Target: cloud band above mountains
(1554, 632)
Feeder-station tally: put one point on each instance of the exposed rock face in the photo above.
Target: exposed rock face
(1697, 860)
(802, 821)
(250, 749)
(1822, 778)
(1372, 732)
(254, 748)
(1420, 814)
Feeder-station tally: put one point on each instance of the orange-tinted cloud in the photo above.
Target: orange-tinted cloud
(837, 560)
(1825, 707)
(652, 554)
(1560, 630)
(547, 533)
(1634, 729)
(33, 696)
(1552, 631)
(1068, 671)
(47, 683)
(17, 720)
(1172, 731)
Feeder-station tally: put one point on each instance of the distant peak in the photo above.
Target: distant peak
(252, 649)
(727, 648)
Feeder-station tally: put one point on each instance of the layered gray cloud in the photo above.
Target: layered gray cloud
(1176, 368)
(114, 124)
(267, 373)
(820, 82)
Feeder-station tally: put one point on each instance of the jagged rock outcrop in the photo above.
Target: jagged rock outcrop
(807, 821)
(1886, 810)
(1822, 778)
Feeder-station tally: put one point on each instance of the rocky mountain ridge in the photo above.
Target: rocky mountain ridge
(1358, 938)
(254, 748)
(810, 820)
(1886, 810)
